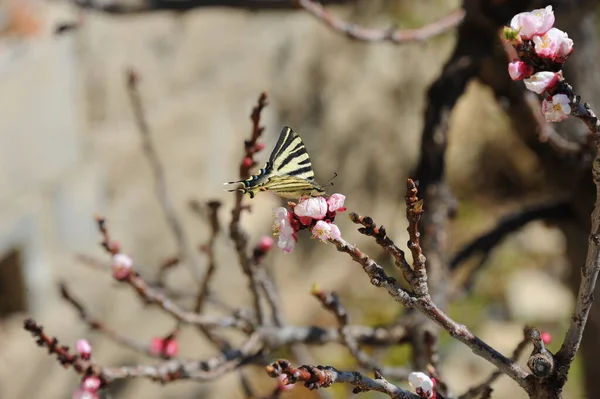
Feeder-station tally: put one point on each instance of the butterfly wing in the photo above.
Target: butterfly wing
(288, 173)
(290, 158)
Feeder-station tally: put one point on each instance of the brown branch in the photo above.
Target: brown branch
(424, 304)
(399, 36)
(237, 235)
(589, 273)
(97, 325)
(279, 337)
(158, 173)
(315, 377)
(166, 371)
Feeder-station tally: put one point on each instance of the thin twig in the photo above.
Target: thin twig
(160, 182)
(156, 297)
(315, 377)
(237, 235)
(209, 249)
(396, 36)
(97, 325)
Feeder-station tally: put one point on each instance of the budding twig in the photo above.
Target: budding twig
(315, 377)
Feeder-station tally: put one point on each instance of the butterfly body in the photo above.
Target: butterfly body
(288, 173)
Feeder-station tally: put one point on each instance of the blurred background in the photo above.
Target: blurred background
(69, 149)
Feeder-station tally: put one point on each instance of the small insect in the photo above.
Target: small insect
(288, 173)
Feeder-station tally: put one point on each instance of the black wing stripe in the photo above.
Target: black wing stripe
(286, 137)
(291, 156)
(300, 171)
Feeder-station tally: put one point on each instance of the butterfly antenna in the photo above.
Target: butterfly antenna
(330, 180)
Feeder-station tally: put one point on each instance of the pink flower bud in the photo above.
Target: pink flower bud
(265, 243)
(315, 207)
(422, 384)
(84, 348)
(121, 266)
(336, 202)
(164, 347)
(556, 109)
(282, 384)
(519, 70)
(91, 384)
(541, 81)
(546, 337)
(259, 147)
(247, 162)
(534, 23)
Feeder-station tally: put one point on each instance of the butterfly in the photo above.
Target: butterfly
(288, 173)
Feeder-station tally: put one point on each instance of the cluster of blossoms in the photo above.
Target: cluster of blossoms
(315, 214)
(88, 389)
(542, 51)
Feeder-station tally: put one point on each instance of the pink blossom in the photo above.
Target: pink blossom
(265, 243)
(325, 230)
(83, 394)
(121, 266)
(336, 202)
(555, 44)
(335, 232)
(541, 81)
(422, 384)
(546, 337)
(315, 207)
(91, 384)
(519, 70)
(84, 348)
(557, 109)
(534, 23)
(284, 229)
(164, 346)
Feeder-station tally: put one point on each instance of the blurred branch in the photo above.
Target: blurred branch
(483, 388)
(315, 377)
(160, 183)
(125, 7)
(487, 241)
(167, 371)
(209, 250)
(150, 295)
(97, 325)
(277, 337)
(397, 36)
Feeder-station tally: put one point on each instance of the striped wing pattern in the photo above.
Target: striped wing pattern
(288, 173)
